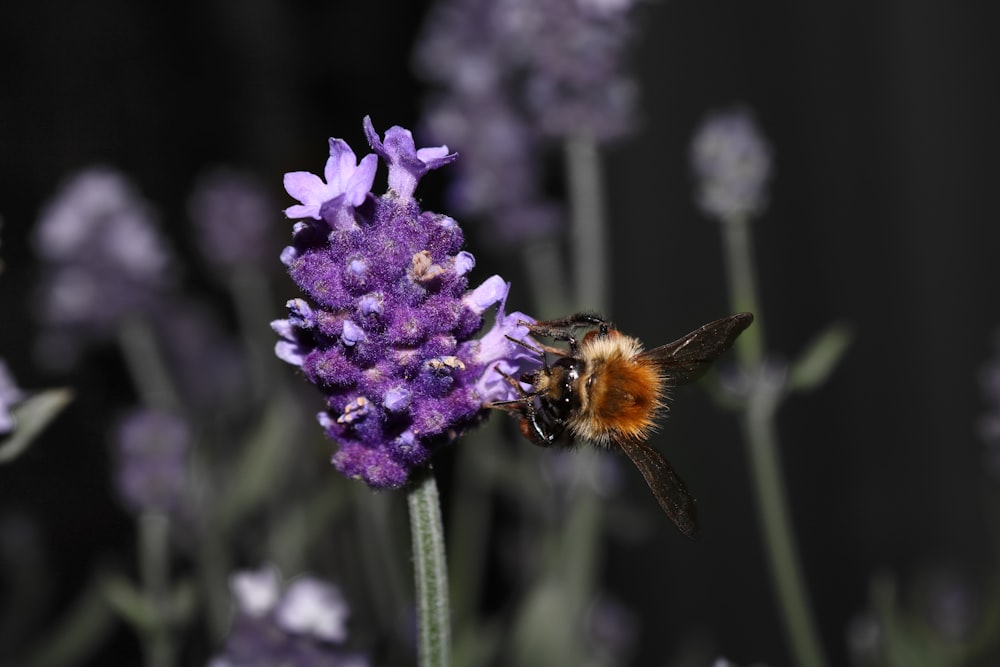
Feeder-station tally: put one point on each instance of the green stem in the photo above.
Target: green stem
(588, 236)
(742, 280)
(772, 503)
(762, 439)
(591, 279)
(431, 572)
(146, 365)
(252, 298)
(154, 544)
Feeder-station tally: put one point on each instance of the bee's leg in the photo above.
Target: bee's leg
(525, 396)
(540, 350)
(564, 328)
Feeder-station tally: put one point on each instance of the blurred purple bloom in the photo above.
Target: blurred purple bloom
(233, 218)
(105, 260)
(10, 395)
(347, 184)
(512, 75)
(499, 175)
(311, 606)
(732, 163)
(387, 332)
(301, 625)
(256, 592)
(562, 60)
(152, 455)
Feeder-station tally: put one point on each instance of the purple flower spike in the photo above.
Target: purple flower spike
(388, 330)
(347, 184)
(406, 163)
(732, 162)
(105, 262)
(152, 448)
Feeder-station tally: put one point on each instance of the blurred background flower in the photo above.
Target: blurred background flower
(105, 260)
(299, 624)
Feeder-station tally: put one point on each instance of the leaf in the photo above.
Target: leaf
(818, 360)
(30, 418)
(128, 601)
(264, 462)
(80, 630)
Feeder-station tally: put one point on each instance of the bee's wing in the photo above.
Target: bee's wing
(687, 358)
(668, 488)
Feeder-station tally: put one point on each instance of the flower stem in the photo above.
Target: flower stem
(431, 572)
(588, 237)
(762, 440)
(154, 537)
(147, 367)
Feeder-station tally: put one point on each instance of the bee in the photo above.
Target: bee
(609, 391)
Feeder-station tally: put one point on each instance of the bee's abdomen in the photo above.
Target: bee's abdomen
(623, 400)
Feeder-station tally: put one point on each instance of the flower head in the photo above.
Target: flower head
(302, 624)
(387, 330)
(105, 260)
(515, 77)
(732, 163)
(152, 450)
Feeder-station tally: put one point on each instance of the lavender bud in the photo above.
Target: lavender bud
(732, 163)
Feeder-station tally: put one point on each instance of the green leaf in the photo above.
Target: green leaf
(818, 360)
(30, 418)
(128, 602)
(264, 462)
(80, 630)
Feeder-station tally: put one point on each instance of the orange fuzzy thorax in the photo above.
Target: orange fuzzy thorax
(622, 396)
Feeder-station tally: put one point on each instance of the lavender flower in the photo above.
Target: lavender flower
(106, 260)
(387, 330)
(10, 395)
(577, 80)
(232, 217)
(732, 163)
(152, 451)
(562, 60)
(300, 625)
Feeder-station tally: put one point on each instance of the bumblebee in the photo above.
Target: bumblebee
(607, 390)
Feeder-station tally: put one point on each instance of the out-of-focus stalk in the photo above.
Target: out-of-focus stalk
(760, 432)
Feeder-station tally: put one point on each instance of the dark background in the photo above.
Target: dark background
(883, 216)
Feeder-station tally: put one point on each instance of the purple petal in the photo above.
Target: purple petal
(464, 262)
(493, 290)
(289, 352)
(361, 181)
(307, 188)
